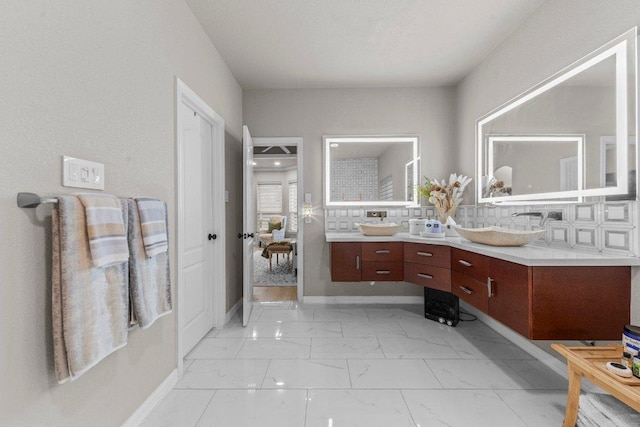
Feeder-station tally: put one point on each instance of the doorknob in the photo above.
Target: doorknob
(239, 235)
(250, 235)
(212, 236)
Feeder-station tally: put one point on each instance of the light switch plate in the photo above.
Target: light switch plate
(307, 197)
(80, 173)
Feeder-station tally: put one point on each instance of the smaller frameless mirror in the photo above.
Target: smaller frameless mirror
(371, 170)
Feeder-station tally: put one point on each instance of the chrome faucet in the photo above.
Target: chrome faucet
(553, 215)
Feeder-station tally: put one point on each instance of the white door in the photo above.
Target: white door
(200, 220)
(248, 226)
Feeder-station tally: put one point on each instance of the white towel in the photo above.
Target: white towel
(603, 410)
(149, 277)
(90, 305)
(105, 228)
(153, 221)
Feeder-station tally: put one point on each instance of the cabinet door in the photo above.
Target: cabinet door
(382, 251)
(510, 293)
(580, 303)
(428, 276)
(346, 260)
(420, 253)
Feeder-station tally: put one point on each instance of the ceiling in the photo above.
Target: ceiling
(356, 43)
(265, 157)
(268, 164)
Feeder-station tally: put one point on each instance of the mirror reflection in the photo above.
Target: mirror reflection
(371, 170)
(568, 137)
(561, 156)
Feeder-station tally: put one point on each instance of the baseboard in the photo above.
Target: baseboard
(150, 402)
(545, 358)
(364, 300)
(232, 311)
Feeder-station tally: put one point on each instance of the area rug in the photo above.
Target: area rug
(281, 274)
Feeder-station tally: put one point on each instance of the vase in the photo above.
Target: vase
(444, 214)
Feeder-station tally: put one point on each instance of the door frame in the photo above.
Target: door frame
(186, 95)
(298, 142)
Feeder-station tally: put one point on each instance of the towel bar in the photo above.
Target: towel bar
(31, 200)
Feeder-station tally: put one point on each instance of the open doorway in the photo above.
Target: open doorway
(278, 243)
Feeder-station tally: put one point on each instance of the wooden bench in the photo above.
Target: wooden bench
(589, 363)
(276, 249)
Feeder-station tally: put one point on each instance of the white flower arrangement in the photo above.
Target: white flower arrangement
(444, 196)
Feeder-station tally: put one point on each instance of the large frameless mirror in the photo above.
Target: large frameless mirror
(570, 137)
(371, 170)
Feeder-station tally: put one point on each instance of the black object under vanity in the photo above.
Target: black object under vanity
(441, 306)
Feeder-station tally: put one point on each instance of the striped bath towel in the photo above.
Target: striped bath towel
(149, 277)
(105, 229)
(153, 214)
(90, 306)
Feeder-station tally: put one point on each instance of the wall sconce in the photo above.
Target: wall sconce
(307, 208)
(307, 212)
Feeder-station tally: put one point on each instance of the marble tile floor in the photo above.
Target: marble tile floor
(301, 365)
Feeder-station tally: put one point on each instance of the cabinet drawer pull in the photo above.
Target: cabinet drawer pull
(357, 262)
(490, 286)
(425, 276)
(382, 252)
(465, 263)
(425, 254)
(383, 272)
(466, 290)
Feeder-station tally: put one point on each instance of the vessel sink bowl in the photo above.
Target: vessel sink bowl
(497, 236)
(388, 229)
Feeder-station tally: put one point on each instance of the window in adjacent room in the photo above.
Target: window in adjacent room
(293, 206)
(269, 200)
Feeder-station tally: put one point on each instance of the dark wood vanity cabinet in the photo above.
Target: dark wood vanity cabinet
(539, 302)
(545, 302)
(366, 261)
(428, 265)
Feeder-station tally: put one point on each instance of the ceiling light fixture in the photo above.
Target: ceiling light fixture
(276, 163)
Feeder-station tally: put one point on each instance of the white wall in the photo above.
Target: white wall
(93, 80)
(313, 113)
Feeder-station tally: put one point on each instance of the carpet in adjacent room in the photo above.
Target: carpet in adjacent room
(280, 275)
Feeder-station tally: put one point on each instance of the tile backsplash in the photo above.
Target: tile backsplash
(605, 227)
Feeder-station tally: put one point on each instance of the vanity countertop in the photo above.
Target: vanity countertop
(530, 255)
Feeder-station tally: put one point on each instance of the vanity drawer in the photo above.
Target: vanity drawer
(383, 271)
(382, 251)
(469, 263)
(472, 291)
(428, 276)
(420, 253)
